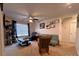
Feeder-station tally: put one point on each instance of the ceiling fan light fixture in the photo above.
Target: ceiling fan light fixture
(30, 20)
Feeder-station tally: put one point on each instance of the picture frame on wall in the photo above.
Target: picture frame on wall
(42, 25)
(53, 26)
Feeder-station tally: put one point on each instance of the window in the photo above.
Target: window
(22, 29)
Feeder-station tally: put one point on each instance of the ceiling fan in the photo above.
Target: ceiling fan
(32, 19)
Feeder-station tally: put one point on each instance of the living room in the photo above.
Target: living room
(58, 22)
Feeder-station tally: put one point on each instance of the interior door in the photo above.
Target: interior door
(65, 31)
(72, 31)
(69, 30)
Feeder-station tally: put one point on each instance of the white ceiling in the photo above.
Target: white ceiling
(40, 10)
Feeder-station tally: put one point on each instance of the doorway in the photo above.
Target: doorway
(69, 30)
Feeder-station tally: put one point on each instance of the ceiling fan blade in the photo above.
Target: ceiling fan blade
(35, 19)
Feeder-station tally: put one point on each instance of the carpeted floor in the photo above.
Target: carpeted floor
(32, 50)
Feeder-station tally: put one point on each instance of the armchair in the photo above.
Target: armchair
(34, 36)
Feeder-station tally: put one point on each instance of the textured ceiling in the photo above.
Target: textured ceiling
(52, 10)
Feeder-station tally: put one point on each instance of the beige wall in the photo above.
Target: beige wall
(47, 31)
(1, 34)
(56, 30)
(77, 36)
(32, 27)
(77, 41)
